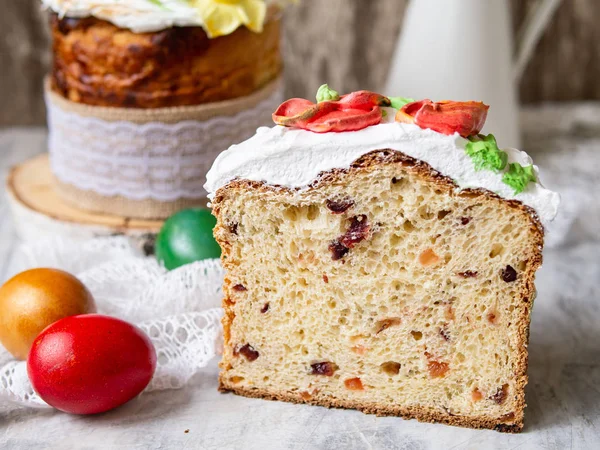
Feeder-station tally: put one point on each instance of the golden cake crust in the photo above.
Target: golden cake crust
(97, 63)
(512, 422)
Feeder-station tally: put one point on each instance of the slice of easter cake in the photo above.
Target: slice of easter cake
(380, 254)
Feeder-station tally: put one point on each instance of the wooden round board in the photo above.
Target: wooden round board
(38, 211)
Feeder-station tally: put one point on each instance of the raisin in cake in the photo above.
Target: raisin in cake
(380, 254)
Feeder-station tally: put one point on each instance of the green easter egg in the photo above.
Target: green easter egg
(187, 236)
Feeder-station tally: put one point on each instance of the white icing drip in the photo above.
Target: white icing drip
(294, 158)
(140, 16)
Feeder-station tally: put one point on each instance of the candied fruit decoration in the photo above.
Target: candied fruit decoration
(339, 206)
(391, 367)
(357, 232)
(446, 117)
(437, 369)
(500, 396)
(468, 274)
(465, 220)
(326, 368)
(509, 274)
(248, 352)
(239, 288)
(476, 395)
(338, 250)
(384, 324)
(354, 384)
(350, 112)
(428, 258)
(325, 278)
(492, 318)
(265, 308)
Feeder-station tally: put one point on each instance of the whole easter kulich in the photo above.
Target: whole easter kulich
(34, 299)
(187, 236)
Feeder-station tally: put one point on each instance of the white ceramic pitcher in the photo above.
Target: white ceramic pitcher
(462, 50)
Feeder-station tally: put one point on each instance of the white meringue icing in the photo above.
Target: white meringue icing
(294, 158)
(140, 16)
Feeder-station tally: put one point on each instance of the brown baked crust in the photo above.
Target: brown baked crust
(97, 63)
(421, 414)
(369, 162)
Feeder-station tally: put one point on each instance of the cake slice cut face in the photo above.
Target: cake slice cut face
(381, 286)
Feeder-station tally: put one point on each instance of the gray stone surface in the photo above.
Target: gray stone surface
(563, 394)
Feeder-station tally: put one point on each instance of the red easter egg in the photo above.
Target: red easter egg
(89, 364)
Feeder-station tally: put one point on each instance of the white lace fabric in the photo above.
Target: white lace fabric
(179, 310)
(149, 161)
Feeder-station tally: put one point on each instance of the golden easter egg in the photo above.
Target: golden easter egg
(34, 299)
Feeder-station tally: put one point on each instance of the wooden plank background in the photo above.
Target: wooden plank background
(347, 43)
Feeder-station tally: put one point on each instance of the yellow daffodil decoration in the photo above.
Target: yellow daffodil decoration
(222, 17)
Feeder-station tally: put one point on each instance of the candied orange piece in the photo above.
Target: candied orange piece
(428, 258)
(354, 384)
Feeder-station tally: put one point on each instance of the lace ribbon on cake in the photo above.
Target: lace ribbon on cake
(179, 310)
(154, 160)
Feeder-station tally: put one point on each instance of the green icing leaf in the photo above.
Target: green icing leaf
(518, 177)
(325, 93)
(158, 3)
(399, 102)
(485, 153)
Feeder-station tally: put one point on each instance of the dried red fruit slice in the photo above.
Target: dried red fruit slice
(345, 120)
(446, 117)
(299, 111)
(364, 100)
(352, 112)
